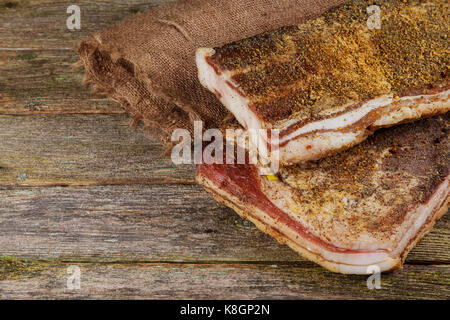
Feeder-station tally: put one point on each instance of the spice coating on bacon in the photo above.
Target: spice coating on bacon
(368, 205)
(336, 58)
(332, 66)
(370, 188)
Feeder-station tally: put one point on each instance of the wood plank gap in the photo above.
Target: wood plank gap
(36, 49)
(62, 112)
(300, 264)
(88, 183)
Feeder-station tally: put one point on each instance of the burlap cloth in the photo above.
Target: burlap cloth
(147, 63)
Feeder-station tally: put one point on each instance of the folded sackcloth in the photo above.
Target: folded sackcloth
(147, 63)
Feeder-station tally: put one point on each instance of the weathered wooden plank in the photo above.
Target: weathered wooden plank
(36, 82)
(28, 279)
(148, 223)
(36, 54)
(38, 24)
(82, 150)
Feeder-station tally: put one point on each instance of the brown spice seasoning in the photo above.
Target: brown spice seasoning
(319, 67)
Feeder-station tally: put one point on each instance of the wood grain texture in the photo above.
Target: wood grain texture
(43, 82)
(41, 24)
(36, 54)
(220, 281)
(148, 223)
(82, 150)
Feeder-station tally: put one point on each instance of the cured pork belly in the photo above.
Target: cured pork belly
(369, 205)
(330, 82)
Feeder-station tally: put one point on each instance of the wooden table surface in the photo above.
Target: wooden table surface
(78, 186)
